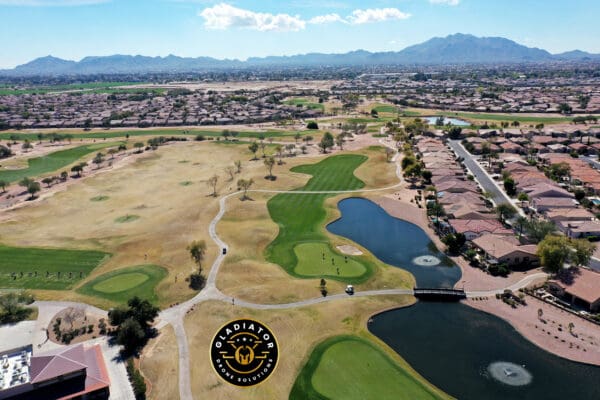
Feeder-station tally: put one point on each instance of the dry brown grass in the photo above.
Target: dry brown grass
(248, 229)
(160, 366)
(171, 215)
(297, 331)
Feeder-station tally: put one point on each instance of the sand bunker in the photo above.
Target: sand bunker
(350, 250)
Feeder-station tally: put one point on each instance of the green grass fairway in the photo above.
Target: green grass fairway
(48, 263)
(348, 367)
(121, 285)
(306, 103)
(386, 108)
(52, 162)
(301, 216)
(312, 262)
(505, 117)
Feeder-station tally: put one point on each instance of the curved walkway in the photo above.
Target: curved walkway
(175, 315)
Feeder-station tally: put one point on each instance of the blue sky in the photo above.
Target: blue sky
(73, 29)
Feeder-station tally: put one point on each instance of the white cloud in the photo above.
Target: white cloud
(371, 15)
(447, 2)
(42, 3)
(326, 19)
(224, 16)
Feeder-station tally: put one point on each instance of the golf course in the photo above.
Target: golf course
(301, 217)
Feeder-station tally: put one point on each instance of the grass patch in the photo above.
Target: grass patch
(348, 367)
(301, 216)
(305, 103)
(185, 183)
(18, 266)
(316, 259)
(127, 218)
(386, 109)
(52, 162)
(99, 198)
(121, 285)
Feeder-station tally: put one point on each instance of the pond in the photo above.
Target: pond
(456, 348)
(395, 242)
(448, 120)
(463, 351)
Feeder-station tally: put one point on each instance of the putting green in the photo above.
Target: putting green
(348, 367)
(317, 259)
(121, 285)
(121, 282)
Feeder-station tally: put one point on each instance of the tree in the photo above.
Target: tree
(339, 141)
(553, 252)
(303, 148)
(212, 182)
(521, 222)
(33, 188)
(510, 187)
(139, 146)
(579, 194)
(427, 175)
(238, 166)
(297, 137)
(537, 230)
(290, 148)
(454, 241)
(245, 184)
(323, 287)
(78, 169)
(230, 171)
(64, 175)
(269, 163)
(47, 181)
(197, 251)
(3, 185)
(583, 251)
(253, 147)
(112, 152)
(98, 159)
(413, 171)
(326, 142)
(522, 196)
(307, 139)
(559, 171)
(25, 182)
(505, 211)
(5, 152)
(454, 132)
(26, 146)
(279, 151)
(312, 125)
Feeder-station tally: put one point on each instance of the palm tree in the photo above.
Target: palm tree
(521, 222)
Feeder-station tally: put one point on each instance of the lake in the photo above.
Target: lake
(450, 344)
(451, 121)
(394, 241)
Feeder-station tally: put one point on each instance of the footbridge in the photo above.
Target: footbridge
(439, 294)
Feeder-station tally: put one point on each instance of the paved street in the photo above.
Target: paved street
(486, 181)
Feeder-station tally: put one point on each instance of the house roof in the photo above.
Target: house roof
(66, 360)
(479, 226)
(561, 214)
(585, 285)
(555, 202)
(499, 246)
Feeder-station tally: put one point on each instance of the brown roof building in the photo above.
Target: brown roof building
(584, 290)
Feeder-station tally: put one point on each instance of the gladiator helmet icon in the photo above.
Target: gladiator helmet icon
(244, 355)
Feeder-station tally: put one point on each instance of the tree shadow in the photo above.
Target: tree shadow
(567, 276)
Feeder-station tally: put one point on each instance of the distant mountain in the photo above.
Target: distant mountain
(454, 49)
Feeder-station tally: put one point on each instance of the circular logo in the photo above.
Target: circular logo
(244, 352)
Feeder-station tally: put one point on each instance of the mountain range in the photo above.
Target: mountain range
(453, 49)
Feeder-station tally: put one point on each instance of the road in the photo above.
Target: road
(592, 161)
(484, 179)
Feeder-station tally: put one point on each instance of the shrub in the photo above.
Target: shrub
(137, 381)
(312, 125)
(197, 281)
